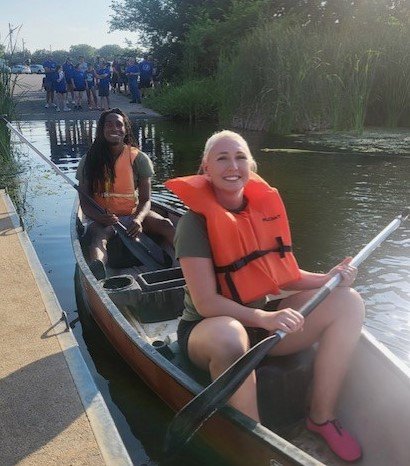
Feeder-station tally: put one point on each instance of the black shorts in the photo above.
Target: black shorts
(103, 91)
(49, 86)
(255, 334)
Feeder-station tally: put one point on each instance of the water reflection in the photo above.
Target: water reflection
(336, 204)
(69, 140)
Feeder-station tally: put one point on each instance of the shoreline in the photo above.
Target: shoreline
(31, 99)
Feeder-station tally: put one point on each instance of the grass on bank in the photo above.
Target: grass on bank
(10, 165)
(192, 101)
(284, 77)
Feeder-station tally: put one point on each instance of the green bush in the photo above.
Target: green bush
(193, 100)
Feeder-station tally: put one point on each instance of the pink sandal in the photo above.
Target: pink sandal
(339, 440)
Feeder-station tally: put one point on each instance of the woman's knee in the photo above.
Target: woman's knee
(352, 304)
(230, 340)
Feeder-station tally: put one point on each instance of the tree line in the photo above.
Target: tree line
(109, 52)
(281, 65)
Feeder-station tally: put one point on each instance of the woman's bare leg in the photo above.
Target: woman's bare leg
(217, 353)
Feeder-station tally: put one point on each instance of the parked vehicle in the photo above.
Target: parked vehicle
(37, 68)
(19, 69)
(137, 307)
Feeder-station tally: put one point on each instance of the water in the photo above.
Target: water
(336, 204)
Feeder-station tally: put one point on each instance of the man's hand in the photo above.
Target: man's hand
(107, 219)
(135, 228)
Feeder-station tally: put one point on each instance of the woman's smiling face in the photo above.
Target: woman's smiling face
(228, 165)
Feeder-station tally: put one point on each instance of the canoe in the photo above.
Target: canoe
(138, 309)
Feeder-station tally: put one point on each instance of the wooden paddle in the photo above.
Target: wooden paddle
(142, 247)
(215, 395)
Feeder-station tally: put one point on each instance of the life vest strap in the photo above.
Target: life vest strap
(238, 264)
(108, 194)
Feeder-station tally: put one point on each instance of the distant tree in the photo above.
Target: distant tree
(163, 24)
(133, 51)
(110, 51)
(18, 57)
(40, 56)
(84, 50)
(59, 56)
(192, 33)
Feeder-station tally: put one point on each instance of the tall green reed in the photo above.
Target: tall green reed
(392, 79)
(287, 77)
(9, 165)
(195, 99)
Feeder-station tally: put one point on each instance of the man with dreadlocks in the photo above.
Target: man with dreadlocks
(118, 177)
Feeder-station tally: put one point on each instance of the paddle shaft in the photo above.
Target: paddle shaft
(200, 408)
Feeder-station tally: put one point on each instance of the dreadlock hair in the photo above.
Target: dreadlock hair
(99, 163)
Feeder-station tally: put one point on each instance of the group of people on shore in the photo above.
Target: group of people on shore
(234, 247)
(68, 84)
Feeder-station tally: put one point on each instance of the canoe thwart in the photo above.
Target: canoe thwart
(147, 301)
(161, 279)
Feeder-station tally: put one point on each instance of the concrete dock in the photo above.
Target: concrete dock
(51, 411)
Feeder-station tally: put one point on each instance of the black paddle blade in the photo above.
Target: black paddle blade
(143, 248)
(199, 409)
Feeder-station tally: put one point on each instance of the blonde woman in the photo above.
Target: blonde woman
(234, 246)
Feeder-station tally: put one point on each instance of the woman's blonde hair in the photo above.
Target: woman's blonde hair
(220, 135)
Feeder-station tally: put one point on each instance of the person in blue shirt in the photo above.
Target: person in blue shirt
(61, 89)
(132, 71)
(104, 75)
(78, 81)
(68, 69)
(146, 74)
(50, 67)
(90, 88)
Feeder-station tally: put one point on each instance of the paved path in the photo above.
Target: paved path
(31, 100)
(51, 412)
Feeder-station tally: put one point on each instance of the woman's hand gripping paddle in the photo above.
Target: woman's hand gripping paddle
(215, 395)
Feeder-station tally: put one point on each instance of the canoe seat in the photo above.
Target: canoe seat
(283, 383)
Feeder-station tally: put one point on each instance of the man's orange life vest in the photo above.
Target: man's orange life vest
(120, 198)
(251, 249)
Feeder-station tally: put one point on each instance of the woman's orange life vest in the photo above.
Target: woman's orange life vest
(120, 197)
(251, 249)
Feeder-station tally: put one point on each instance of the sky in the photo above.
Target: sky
(60, 23)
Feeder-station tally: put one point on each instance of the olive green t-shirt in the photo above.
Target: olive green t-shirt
(191, 240)
(142, 168)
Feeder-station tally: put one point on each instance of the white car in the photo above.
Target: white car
(18, 69)
(39, 69)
